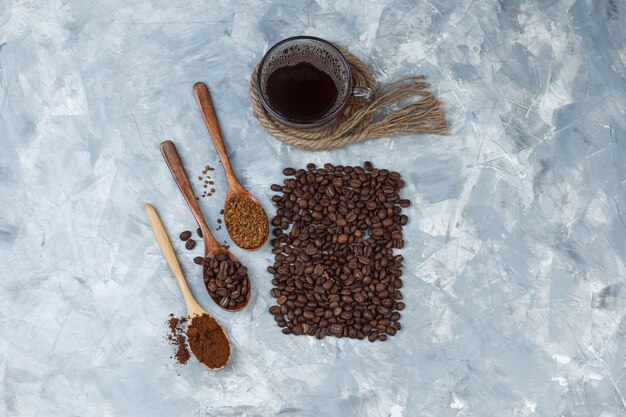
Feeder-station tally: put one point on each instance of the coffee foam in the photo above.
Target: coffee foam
(323, 57)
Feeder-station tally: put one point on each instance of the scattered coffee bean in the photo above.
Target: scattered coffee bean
(198, 260)
(225, 280)
(335, 273)
(199, 232)
(185, 235)
(190, 244)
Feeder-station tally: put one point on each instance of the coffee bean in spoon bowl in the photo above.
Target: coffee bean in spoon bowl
(212, 248)
(226, 280)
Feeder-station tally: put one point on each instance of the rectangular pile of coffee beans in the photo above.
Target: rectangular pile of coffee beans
(335, 273)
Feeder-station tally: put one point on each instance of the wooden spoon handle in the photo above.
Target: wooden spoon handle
(210, 119)
(170, 256)
(174, 163)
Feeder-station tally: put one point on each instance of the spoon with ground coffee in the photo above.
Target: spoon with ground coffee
(206, 338)
(225, 278)
(246, 221)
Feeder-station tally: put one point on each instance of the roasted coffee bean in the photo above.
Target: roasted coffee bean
(185, 235)
(198, 260)
(343, 238)
(190, 244)
(224, 284)
(274, 310)
(199, 231)
(335, 273)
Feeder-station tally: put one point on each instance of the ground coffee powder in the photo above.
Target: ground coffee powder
(176, 337)
(208, 342)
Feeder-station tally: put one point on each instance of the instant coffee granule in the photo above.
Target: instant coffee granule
(208, 341)
(176, 338)
(246, 222)
(206, 182)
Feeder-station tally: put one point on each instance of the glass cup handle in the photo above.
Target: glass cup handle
(363, 92)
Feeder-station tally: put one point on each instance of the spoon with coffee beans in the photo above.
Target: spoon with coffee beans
(212, 333)
(225, 278)
(246, 221)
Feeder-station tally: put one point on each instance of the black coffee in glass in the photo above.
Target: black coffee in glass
(304, 82)
(302, 91)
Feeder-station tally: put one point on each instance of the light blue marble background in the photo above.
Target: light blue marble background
(516, 247)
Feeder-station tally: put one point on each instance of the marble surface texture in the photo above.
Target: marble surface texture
(516, 246)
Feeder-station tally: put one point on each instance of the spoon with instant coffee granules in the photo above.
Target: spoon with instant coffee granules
(206, 338)
(225, 278)
(246, 221)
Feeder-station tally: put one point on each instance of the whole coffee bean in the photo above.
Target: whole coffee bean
(336, 329)
(199, 231)
(334, 271)
(190, 244)
(274, 310)
(198, 260)
(185, 235)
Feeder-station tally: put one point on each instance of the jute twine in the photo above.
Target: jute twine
(385, 116)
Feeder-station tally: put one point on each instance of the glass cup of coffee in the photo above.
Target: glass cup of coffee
(305, 82)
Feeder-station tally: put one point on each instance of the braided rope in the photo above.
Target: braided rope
(357, 121)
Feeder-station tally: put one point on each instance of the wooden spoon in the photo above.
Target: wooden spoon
(234, 187)
(211, 246)
(193, 309)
